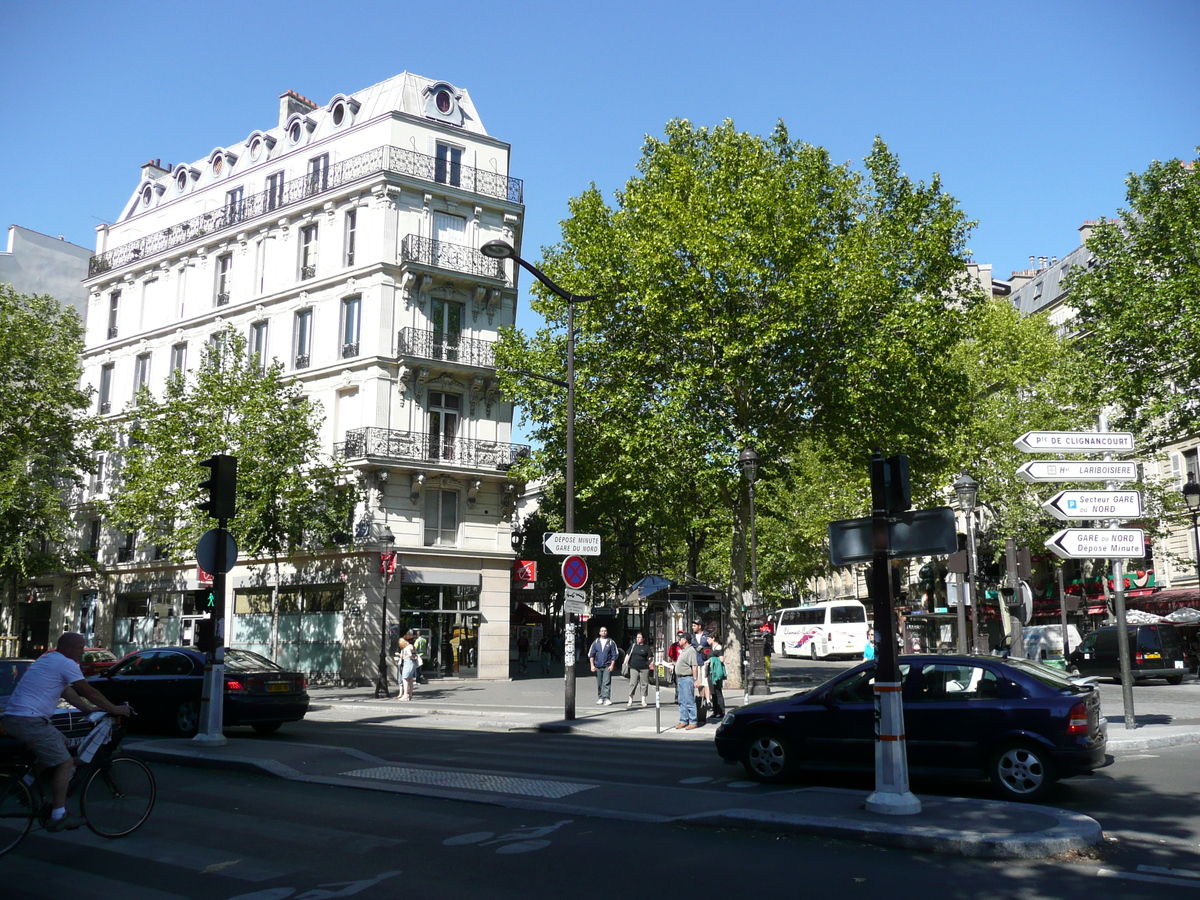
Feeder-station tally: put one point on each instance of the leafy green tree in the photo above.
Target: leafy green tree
(290, 496)
(1139, 305)
(751, 293)
(45, 434)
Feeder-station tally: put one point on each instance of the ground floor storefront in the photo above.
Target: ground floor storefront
(328, 617)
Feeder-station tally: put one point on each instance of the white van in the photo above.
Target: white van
(832, 628)
(1044, 642)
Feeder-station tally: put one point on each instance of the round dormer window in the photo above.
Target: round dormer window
(444, 101)
(147, 195)
(339, 114)
(218, 164)
(295, 132)
(181, 178)
(256, 147)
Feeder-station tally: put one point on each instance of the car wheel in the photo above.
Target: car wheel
(768, 757)
(1174, 679)
(783, 649)
(812, 650)
(1022, 772)
(187, 718)
(266, 727)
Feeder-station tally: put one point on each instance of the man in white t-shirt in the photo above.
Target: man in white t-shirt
(27, 719)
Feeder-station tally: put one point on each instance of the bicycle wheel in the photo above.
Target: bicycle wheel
(16, 812)
(118, 797)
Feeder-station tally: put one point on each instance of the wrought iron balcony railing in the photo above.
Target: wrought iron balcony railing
(223, 298)
(302, 361)
(425, 344)
(421, 447)
(112, 332)
(349, 349)
(105, 407)
(307, 272)
(445, 255)
(387, 159)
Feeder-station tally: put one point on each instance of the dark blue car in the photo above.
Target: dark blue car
(1019, 723)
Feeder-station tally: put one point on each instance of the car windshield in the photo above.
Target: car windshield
(92, 656)
(245, 661)
(1052, 678)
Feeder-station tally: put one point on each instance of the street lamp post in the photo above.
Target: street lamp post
(967, 489)
(387, 565)
(754, 681)
(1191, 496)
(498, 249)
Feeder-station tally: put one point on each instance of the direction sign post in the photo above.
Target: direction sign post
(566, 544)
(1094, 505)
(1098, 543)
(1074, 442)
(1077, 470)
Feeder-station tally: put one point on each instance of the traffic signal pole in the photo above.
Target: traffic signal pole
(221, 505)
(889, 493)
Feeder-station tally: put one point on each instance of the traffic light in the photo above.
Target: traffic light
(221, 487)
(890, 489)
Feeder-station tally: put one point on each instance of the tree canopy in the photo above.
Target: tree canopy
(751, 292)
(290, 496)
(45, 432)
(1139, 304)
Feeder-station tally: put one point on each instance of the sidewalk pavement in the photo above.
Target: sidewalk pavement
(968, 827)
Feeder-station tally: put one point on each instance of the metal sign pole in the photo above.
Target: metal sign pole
(1118, 569)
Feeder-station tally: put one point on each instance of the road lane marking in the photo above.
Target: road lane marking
(472, 781)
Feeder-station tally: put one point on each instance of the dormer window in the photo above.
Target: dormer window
(218, 164)
(442, 103)
(181, 179)
(295, 132)
(147, 195)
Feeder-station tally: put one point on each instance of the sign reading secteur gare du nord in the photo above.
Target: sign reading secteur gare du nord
(1094, 505)
(1074, 442)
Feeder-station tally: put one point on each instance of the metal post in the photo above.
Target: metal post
(569, 671)
(1118, 569)
(212, 694)
(892, 795)
(1017, 648)
(1062, 610)
(381, 680)
(973, 583)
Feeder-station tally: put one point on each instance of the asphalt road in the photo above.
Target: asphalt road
(232, 836)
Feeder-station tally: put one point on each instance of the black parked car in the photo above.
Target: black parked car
(1155, 651)
(164, 686)
(1020, 723)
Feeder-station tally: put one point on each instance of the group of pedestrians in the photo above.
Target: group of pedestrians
(695, 660)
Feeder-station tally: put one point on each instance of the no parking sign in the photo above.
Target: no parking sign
(574, 572)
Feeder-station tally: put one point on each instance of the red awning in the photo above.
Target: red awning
(527, 615)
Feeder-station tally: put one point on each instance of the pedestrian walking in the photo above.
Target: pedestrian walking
(421, 645)
(602, 656)
(768, 646)
(869, 649)
(685, 683)
(637, 664)
(523, 653)
(408, 666)
(717, 675)
(547, 649)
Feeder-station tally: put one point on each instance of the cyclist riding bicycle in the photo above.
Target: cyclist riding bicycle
(27, 719)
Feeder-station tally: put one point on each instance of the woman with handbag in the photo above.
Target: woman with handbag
(408, 667)
(637, 668)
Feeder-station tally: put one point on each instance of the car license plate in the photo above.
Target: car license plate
(1179, 664)
(278, 686)
(1153, 656)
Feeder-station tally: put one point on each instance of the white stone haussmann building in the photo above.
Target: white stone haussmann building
(343, 241)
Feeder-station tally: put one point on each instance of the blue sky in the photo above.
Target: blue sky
(1032, 113)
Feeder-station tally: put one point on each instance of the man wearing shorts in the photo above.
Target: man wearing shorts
(27, 719)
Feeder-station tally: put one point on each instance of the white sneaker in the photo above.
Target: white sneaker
(600, 702)
(608, 703)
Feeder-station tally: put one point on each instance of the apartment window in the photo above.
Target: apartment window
(444, 412)
(441, 518)
(447, 329)
(258, 344)
(318, 173)
(125, 551)
(179, 358)
(114, 307)
(1191, 464)
(302, 339)
(224, 277)
(92, 544)
(448, 166)
(141, 373)
(351, 226)
(106, 379)
(216, 347)
(450, 232)
(235, 203)
(274, 190)
(351, 318)
(308, 251)
(98, 478)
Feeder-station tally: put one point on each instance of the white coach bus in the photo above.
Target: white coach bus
(832, 628)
